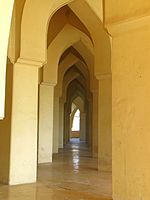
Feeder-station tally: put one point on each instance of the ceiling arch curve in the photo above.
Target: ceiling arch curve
(66, 38)
(37, 14)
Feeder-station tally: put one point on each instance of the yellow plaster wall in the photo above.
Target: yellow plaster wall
(131, 115)
(118, 10)
(97, 6)
(5, 129)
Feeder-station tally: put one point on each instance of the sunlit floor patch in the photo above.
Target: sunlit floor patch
(74, 170)
(73, 175)
(42, 192)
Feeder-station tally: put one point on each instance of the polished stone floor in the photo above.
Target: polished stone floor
(71, 176)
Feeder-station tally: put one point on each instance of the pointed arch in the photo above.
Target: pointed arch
(66, 38)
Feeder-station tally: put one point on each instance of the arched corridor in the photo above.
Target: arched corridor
(72, 52)
(72, 175)
(45, 98)
(69, 55)
(74, 99)
(73, 83)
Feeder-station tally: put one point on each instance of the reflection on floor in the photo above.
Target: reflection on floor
(71, 176)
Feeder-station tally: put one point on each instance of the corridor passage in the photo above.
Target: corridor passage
(71, 176)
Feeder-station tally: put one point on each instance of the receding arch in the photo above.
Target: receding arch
(78, 101)
(77, 104)
(66, 38)
(75, 76)
(71, 60)
(77, 90)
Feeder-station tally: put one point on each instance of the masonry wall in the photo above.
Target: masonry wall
(131, 115)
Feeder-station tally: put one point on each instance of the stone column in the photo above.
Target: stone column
(61, 123)
(56, 122)
(66, 124)
(23, 146)
(67, 132)
(46, 106)
(95, 124)
(89, 122)
(83, 126)
(131, 110)
(105, 123)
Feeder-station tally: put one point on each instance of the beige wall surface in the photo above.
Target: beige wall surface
(118, 10)
(131, 111)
